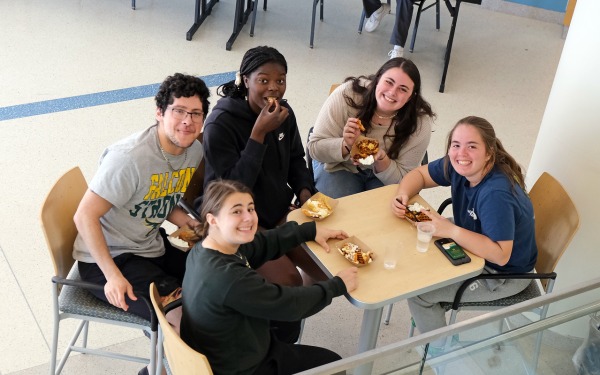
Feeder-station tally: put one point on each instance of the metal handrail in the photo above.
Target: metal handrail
(422, 339)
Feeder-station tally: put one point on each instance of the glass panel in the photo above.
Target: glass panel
(505, 346)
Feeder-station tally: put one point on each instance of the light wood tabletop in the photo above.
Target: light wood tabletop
(368, 216)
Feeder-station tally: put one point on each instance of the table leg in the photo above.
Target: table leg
(454, 13)
(242, 12)
(368, 337)
(202, 11)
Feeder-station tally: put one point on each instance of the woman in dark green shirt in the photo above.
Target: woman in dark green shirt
(227, 305)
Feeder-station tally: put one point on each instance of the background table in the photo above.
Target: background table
(369, 217)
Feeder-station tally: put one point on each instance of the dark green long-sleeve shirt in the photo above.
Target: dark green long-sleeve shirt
(227, 305)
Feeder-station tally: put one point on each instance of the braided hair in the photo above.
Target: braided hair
(253, 59)
(406, 120)
(499, 157)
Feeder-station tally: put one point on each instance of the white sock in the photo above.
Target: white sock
(398, 48)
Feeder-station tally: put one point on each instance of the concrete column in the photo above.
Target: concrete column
(568, 147)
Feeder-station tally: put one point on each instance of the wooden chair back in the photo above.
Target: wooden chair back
(182, 359)
(57, 219)
(556, 222)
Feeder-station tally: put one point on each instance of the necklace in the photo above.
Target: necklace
(242, 258)
(378, 124)
(165, 156)
(385, 117)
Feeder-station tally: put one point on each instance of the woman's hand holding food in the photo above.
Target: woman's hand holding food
(270, 118)
(351, 131)
(324, 234)
(399, 204)
(382, 161)
(350, 278)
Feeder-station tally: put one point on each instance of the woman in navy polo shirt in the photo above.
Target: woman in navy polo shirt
(493, 216)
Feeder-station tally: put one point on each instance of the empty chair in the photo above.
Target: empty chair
(70, 296)
(312, 26)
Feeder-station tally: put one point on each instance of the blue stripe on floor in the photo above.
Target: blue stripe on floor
(99, 98)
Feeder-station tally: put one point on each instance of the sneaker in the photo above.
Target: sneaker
(396, 53)
(375, 19)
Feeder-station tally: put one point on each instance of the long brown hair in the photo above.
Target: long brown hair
(499, 157)
(215, 195)
(406, 120)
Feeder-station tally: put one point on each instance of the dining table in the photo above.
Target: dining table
(368, 216)
(203, 8)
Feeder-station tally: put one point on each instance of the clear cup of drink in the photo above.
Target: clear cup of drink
(425, 231)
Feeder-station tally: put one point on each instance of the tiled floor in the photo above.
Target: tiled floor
(502, 68)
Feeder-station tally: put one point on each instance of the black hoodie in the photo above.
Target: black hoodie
(275, 170)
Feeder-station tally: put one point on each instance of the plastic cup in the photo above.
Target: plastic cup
(424, 234)
(391, 255)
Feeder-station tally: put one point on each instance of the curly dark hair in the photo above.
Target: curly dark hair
(181, 85)
(253, 59)
(405, 121)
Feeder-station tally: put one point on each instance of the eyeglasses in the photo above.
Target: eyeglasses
(181, 114)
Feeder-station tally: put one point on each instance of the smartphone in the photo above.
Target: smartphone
(455, 254)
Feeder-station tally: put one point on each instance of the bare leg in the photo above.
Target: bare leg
(174, 318)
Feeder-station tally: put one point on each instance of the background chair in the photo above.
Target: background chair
(181, 359)
(312, 26)
(554, 230)
(70, 295)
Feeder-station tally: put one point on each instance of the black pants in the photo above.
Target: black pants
(284, 359)
(165, 271)
(404, 11)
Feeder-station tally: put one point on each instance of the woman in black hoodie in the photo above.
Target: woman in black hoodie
(252, 136)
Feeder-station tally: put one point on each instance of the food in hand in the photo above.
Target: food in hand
(361, 127)
(367, 161)
(317, 208)
(271, 99)
(365, 147)
(186, 234)
(178, 242)
(413, 212)
(354, 254)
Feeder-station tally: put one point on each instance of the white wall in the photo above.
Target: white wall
(568, 147)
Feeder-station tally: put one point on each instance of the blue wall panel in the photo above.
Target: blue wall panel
(554, 5)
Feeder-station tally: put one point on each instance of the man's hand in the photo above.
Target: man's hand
(350, 278)
(115, 290)
(323, 234)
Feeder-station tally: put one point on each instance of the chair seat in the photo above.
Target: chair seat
(80, 301)
(528, 293)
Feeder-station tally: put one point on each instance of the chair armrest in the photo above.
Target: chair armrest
(189, 209)
(445, 203)
(490, 276)
(173, 305)
(79, 283)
